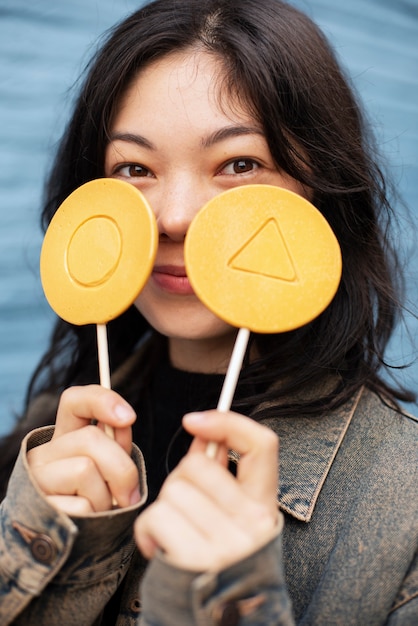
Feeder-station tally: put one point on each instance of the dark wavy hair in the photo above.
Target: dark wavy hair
(281, 66)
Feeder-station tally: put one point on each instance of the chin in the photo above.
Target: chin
(185, 319)
(190, 329)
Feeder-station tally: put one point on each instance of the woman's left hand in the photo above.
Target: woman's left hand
(205, 518)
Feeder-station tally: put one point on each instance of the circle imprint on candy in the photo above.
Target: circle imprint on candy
(98, 251)
(103, 260)
(263, 258)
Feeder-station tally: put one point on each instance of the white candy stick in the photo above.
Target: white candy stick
(104, 374)
(104, 367)
(230, 382)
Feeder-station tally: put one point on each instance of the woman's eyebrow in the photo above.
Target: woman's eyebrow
(228, 132)
(139, 140)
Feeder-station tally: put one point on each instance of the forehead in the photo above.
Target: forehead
(182, 81)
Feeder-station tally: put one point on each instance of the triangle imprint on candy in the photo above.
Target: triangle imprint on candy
(265, 253)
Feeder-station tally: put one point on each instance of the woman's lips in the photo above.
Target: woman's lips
(172, 278)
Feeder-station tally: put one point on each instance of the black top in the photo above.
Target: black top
(170, 394)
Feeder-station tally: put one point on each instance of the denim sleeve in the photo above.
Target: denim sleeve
(405, 608)
(249, 593)
(55, 569)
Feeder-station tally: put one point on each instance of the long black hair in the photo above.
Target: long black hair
(281, 66)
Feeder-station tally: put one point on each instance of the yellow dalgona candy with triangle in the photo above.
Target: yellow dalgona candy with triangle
(263, 258)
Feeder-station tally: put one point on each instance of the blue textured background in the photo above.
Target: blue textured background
(43, 47)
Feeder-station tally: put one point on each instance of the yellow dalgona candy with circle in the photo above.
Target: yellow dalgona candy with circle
(98, 251)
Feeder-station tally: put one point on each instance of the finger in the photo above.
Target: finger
(200, 446)
(193, 532)
(197, 475)
(256, 444)
(79, 405)
(162, 527)
(74, 506)
(115, 466)
(214, 518)
(123, 436)
(77, 476)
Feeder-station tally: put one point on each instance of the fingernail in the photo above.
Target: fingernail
(123, 412)
(135, 496)
(194, 418)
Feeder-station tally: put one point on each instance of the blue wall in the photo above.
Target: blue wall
(43, 47)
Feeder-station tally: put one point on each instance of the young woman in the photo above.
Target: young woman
(185, 100)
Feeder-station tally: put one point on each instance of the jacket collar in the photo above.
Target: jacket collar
(308, 447)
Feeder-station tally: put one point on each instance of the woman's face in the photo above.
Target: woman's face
(175, 142)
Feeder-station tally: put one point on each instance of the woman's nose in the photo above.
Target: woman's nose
(176, 208)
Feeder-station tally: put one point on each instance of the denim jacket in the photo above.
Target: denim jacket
(347, 554)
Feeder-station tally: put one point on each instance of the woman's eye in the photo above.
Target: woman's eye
(239, 166)
(133, 170)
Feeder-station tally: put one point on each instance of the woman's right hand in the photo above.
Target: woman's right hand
(82, 470)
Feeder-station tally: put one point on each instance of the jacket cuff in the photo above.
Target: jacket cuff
(249, 592)
(37, 538)
(44, 543)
